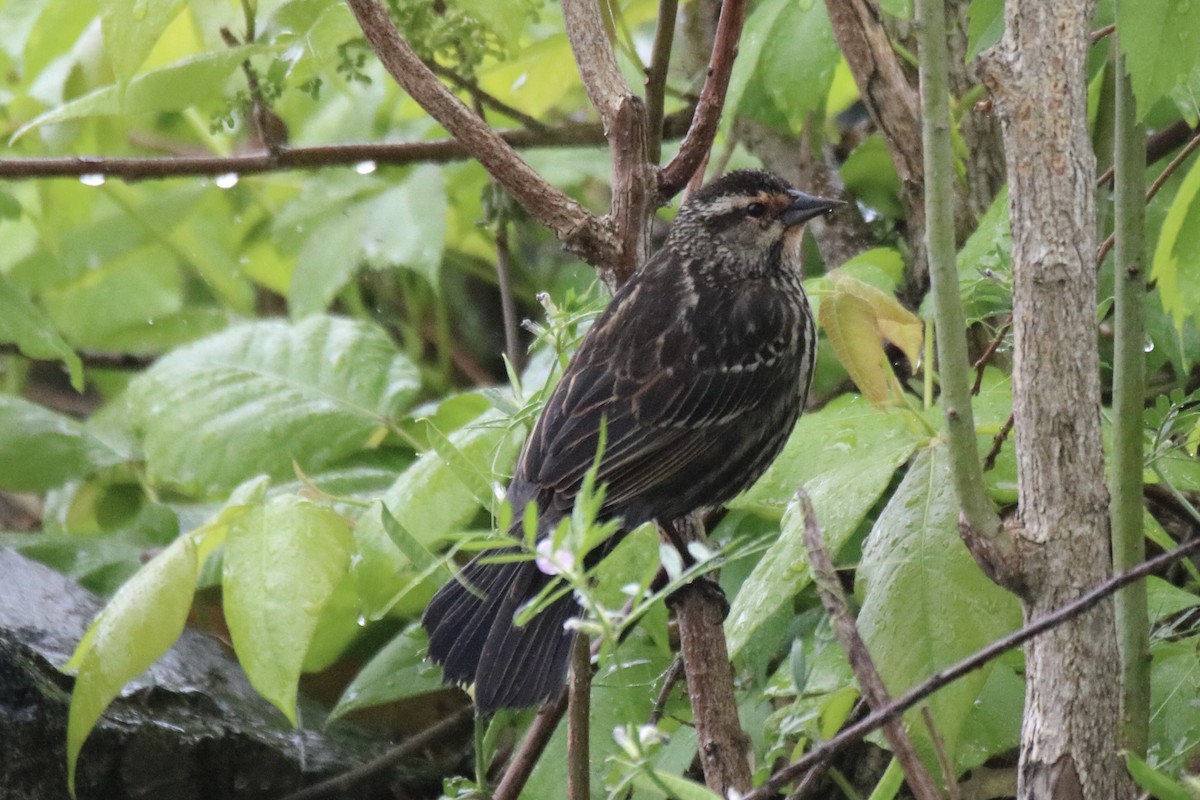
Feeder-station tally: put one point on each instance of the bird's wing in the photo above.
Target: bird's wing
(665, 397)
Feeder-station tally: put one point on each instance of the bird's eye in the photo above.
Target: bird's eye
(756, 209)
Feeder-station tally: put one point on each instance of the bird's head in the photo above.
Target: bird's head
(743, 222)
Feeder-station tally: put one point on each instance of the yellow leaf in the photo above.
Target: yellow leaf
(857, 318)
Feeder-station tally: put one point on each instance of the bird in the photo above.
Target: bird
(696, 371)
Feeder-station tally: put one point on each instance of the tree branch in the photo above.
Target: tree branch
(579, 707)
(581, 231)
(893, 106)
(700, 610)
(699, 139)
(876, 719)
(656, 74)
(869, 680)
(953, 365)
(532, 746)
(571, 134)
(602, 79)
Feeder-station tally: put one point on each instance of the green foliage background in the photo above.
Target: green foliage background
(324, 414)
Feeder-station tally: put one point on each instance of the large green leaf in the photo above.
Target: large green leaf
(256, 397)
(1176, 266)
(40, 449)
(173, 88)
(23, 324)
(1174, 697)
(1161, 40)
(397, 672)
(131, 29)
(926, 603)
(404, 226)
(844, 456)
(138, 625)
(429, 501)
(282, 563)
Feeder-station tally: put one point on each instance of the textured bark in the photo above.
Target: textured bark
(1069, 736)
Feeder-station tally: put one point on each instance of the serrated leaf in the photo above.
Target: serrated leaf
(282, 563)
(139, 624)
(857, 317)
(131, 29)
(1176, 266)
(396, 672)
(844, 455)
(1161, 42)
(23, 324)
(914, 559)
(257, 397)
(173, 88)
(40, 449)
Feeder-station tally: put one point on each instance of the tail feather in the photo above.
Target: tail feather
(473, 636)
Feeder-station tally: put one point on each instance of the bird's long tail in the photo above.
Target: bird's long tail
(473, 636)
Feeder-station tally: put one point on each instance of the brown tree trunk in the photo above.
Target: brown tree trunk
(1060, 535)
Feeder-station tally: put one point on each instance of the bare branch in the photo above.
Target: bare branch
(532, 746)
(656, 74)
(580, 231)
(338, 786)
(699, 139)
(869, 680)
(571, 134)
(876, 719)
(602, 78)
(700, 610)
(579, 707)
(893, 105)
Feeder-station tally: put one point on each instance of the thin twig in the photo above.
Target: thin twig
(670, 678)
(982, 363)
(938, 680)
(989, 461)
(527, 755)
(486, 99)
(1168, 170)
(579, 705)
(869, 680)
(340, 785)
(1101, 33)
(939, 747)
(656, 74)
(508, 306)
(699, 139)
(438, 151)
(580, 231)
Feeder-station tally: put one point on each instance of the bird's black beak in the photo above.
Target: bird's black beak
(805, 206)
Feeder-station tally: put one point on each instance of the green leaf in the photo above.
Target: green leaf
(131, 29)
(138, 625)
(1174, 723)
(10, 207)
(40, 449)
(914, 559)
(676, 786)
(985, 26)
(174, 88)
(282, 563)
(844, 455)
(1156, 783)
(256, 397)
(396, 672)
(429, 501)
(1176, 266)
(800, 43)
(23, 324)
(1161, 41)
(870, 173)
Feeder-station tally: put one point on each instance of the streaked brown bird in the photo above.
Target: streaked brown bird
(699, 368)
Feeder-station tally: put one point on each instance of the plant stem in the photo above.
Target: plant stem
(953, 365)
(1129, 385)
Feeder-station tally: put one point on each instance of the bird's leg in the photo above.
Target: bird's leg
(679, 534)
